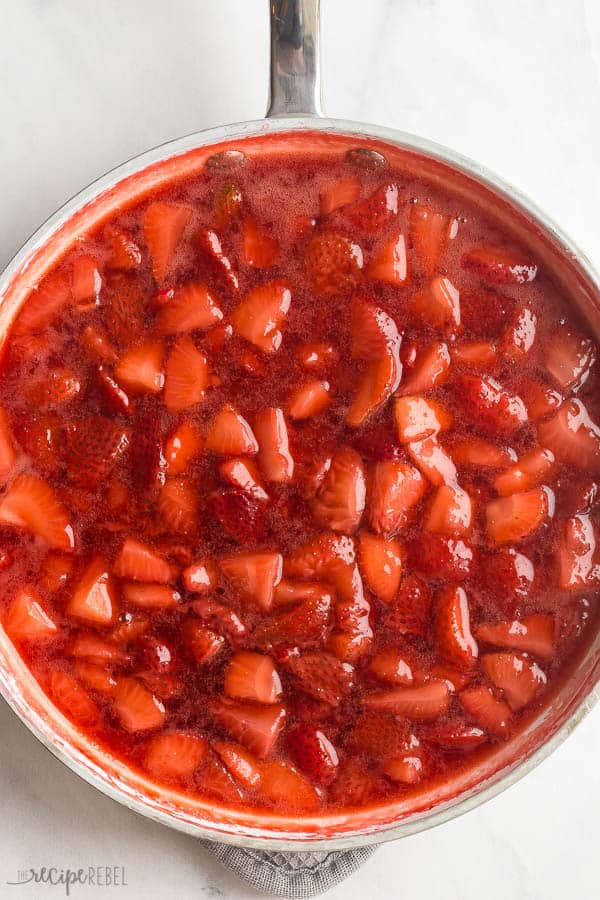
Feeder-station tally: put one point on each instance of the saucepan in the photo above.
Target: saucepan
(294, 123)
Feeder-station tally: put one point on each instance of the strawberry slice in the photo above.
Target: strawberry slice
(255, 727)
(260, 314)
(230, 434)
(456, 736)
(475, 355)
(519, 679)
(322, 676)
(115, 396)
(139, 562)
(73, 699)
(175, 755)
(433, 461)
(379, 737)
(391, 665)
(394, 489)
(454, 641)
(93, 448)
(95, 677)
(418, 418)
(430, 369)
(44, 303)
(125, 253)
(201, 577)
(376, 210)
(148, 462)
(27, 620)
(481, 454)
(489, 406)
(141, 368)
(513, 518)
(333, 264)
(330, 557)
(578, 554)
(243, 474)
(492, 714)
(437, 305)
(30, 503)
(572, 436)
(509, 576)
(192, 308)
(427, 701)
(41, 436)
(186, 375)
(303, 625)
(212, 251)
(203, 643)
(8, 454)
(93, 600)
(313, 753)
(340, 500)
(309, 400)
(430, 233)
(184, 446)
(283, 786)
(96, 650)
(404, 769)
(441, 557)
(98, 345)
(380, 563)
(274, 455)
(178, 505)
(568, 358)
(390, 263)
(243, 766)
(531, 469)
(375, 338)
(164, 224)
(531, 634)
(240, 514)
(259, 249)
(450, 512)
(254, 576)
(355, 784)
(338, 194)
(410, 613)
(252, 676)
(540, 399)
(497, 265)
(86, 282)
(519, 337)
(150, 596)
(216, 781)
(455, 680)
(136, 707)
(124, 309)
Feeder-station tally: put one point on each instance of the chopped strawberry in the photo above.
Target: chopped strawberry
(489, 406)
(30, 503)
(519, 337)
(58, 386)
(186, 375)
(379, 442)
(333, 263)
(136, 707)
(390, 264)
(203, 643)
(230, 434)
(376, 210)
(569, 358)
(174, 755)
(255, 727)
(73, 699)
(417, 418)
(115, 396)
(260, 314)
(313, 753)
(141, 368)
(540, 399)
(430, 233)
(531, 634)
(41, 436)
(150, 596)
(228, 205)
(252, 676)
(97, 650)
(433, 460)
(131, 626)
(378, 382)
(380, 737)
(184, 446)
(437, 305)
(93, 600)
(147, 453)
(303, 625)
(215, 780)
(244, 767)
(98, 345)
(454, 641)
(515, 517)
(492, 714)
(391, 665)
(340, 500)
(164, 224)
(441, 557)
(212, 250)
(55, 571)
(240, 514)
(410, 612)
(8, 454)
(380, 563)
(497, 265)
(125, 253)
(259, 249)
(309, 400)
(355, 784)
(274, 457)
(509, 576)
(44, 303)
(93, 447)
(322, 676)
(317, 356)
(475, 355)
(139, 562)
(254, 576)
(450, 512)
(86, 282)
(27, 620)
(572, 436)
(155, 653)
(95, 677)
(192, 308)
(481, 454)
(455, 735)
(578, 554)
(375, 338)
(430, 369)
(201, 577)
(427, 701)
(406, 769)
(394, 488)
(530, 470)
(338, 194)
(243, 474)
(283, 786)
(519, 679)
(455, 680)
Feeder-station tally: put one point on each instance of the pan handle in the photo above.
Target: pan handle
(295, 84)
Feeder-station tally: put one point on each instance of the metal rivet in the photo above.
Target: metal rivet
(365, 158)
(227, 159)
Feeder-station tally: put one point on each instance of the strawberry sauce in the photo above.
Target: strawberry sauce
(301, 473)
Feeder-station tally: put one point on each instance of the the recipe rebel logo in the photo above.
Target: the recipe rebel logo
(53, 876)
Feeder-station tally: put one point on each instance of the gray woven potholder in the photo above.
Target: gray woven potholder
(290, 874)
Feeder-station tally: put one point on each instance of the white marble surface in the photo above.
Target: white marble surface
(515, 84)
